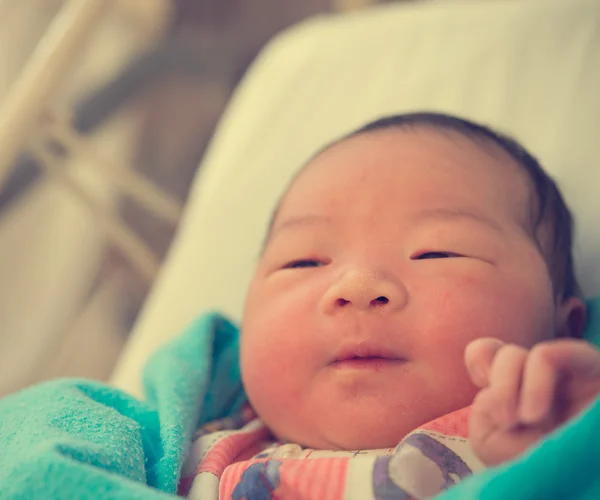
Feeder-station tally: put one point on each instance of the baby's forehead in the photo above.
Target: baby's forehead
(410, 149)
(456, 157)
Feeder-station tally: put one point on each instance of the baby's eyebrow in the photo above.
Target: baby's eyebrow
(442, 213)
(300, 221)
(445, 213)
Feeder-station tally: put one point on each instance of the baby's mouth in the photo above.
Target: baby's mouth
(365, 357)
(372, 363)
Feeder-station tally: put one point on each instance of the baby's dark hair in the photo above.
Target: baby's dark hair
(552, 224)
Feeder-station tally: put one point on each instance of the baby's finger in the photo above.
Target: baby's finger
(548, 363)
(479, 356)
(505, 382)
(538, 391)
(572, 356)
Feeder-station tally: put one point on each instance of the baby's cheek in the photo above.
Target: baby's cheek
(458, 312)
(507, 307)
(273, 375)
(268, 382)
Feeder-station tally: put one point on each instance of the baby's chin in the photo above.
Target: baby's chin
(362, 428)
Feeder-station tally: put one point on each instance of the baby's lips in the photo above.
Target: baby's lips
(365, 349)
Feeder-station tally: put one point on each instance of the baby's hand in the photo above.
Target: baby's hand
(525, 394)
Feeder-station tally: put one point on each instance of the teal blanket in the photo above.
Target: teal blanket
(75, 439)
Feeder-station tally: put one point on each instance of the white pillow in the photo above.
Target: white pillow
(530, 68)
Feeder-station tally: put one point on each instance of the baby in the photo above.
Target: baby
(417, 271)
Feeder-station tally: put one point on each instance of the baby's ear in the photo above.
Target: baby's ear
(571, 318)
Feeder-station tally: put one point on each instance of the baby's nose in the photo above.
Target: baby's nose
(365, 291)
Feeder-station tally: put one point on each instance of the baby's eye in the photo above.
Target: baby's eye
(434, 255)
(300, 263)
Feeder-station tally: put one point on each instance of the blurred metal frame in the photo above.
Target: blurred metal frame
(42, 74)
(23, 114)
(56, 140)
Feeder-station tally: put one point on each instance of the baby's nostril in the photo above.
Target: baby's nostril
(379, 301)
(341, 302)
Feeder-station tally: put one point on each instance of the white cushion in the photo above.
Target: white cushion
(528, 67)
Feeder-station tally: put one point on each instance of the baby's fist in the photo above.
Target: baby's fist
(526, 393)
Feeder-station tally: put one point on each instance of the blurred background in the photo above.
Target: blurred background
(106, 108)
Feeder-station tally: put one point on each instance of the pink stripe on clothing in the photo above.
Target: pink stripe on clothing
(226, 451)
(453, 424)
(313, 479)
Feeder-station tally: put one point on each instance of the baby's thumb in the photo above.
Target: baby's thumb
(479, 356)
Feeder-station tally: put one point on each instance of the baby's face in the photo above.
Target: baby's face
(390, 253)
